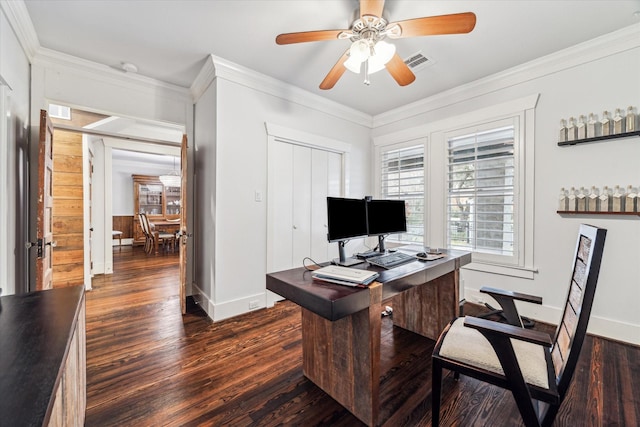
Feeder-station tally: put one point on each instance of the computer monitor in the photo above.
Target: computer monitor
(386, 217)
(346, 219)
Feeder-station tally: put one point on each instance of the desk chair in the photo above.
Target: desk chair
(536, 369)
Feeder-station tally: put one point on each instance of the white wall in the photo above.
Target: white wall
(205, 184)
(240, 166)
(600, 75)
(14, 113)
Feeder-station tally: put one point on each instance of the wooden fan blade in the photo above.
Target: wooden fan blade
(400, 71)
(371, 7)
(457, 23)
(335, 73)
(308, 36)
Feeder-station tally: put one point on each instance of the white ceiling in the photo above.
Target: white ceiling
(169, 40)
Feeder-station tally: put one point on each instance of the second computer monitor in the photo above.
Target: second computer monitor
(386, 217)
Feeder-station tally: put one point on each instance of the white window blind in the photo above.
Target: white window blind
(481, 181)
(402, 178)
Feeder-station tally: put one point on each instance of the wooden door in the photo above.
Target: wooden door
(90, 275)
(44, 229)
(183, 224)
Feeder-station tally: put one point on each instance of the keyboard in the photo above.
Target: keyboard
(391, 260)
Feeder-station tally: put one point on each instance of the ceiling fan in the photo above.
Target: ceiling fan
(368, 49)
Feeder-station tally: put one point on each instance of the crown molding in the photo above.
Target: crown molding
(50, 58)
(609, 44)
(19, 19)
(216, 67)
(203, 80)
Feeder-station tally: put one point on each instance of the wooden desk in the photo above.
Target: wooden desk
(341, 325)
(163, 225)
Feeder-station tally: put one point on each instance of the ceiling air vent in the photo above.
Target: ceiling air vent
(418, 61)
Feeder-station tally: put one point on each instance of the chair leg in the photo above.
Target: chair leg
(436, 388)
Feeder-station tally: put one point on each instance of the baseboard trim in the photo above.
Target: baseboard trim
(228, 309)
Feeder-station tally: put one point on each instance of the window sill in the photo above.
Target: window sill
(521, 272)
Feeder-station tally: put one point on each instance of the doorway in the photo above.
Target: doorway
(92, 214)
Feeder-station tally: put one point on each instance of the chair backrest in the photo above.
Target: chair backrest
(144, 223)
(572, 329)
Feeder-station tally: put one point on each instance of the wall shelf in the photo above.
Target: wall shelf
(598, 213)
(599, 138)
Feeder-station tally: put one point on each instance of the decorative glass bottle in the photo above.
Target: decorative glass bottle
(563, 201)
(631, 200)
(604, 200)
(605, 124)
(571, 130)
(631, 120)
(617, 200)
(593, 201)
(581, 200)
(571, 205)
(562, 135)
(618, 123)
(593, 126)
(581, 127)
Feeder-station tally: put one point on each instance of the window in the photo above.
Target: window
(481, 191)
(402, 178)
(471, 177)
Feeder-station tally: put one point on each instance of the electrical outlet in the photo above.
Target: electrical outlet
(254, 304)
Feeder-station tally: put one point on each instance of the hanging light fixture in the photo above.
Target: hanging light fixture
(173, 178)
(368, 47)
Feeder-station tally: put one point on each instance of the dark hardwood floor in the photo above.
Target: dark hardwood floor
(147, 365)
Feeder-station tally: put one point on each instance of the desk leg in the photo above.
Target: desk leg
(343, 357)
(428, 308)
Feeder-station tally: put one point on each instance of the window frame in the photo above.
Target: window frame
(380, 150)
(478, 255)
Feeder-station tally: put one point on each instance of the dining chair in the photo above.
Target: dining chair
(146, 230)
(536, 369)
(164, 238)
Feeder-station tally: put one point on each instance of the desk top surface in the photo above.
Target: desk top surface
(333, 301)
(35, 331)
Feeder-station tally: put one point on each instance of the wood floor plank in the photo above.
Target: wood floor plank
(147, 365)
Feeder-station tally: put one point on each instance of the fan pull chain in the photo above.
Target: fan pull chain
(366, 73)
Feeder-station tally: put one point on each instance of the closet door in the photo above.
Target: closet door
(301, 204)
(300, 179)
(280, 212)
(326, 180)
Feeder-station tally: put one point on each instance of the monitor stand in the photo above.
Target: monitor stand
(348, 262)
(343, 260)
(381, 247)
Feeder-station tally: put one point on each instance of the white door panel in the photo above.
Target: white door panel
(301, 204)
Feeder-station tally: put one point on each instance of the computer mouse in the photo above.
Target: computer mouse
(421, 255)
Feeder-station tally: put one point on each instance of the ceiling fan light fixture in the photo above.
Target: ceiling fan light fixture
(381, 53)
(384, 51)
(353, 65)
(359, 51)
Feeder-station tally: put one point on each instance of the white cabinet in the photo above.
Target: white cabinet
(300, 179)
